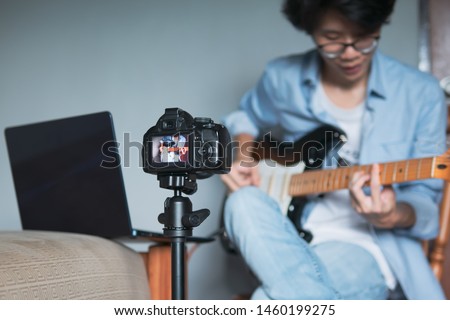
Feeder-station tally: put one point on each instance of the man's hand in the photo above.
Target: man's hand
(380, 208)
(244, 171)
(241, 175)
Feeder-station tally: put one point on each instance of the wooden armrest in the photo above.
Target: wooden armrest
(437, 255)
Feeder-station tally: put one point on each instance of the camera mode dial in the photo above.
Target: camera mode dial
(205, 122)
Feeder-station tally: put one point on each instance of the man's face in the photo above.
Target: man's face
(351, 65)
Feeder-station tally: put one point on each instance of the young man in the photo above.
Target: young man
(173, 148)
(366, 245)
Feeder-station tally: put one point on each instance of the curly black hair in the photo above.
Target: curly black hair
(370, 15)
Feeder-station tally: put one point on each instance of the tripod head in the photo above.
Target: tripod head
(184, 182)
(178, 218)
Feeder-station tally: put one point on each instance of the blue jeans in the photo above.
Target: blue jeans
(287, 266)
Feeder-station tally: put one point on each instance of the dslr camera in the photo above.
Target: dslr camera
(179, 144)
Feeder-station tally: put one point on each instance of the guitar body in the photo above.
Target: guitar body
(286, 159)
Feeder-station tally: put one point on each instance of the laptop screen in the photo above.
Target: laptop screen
(59, 179)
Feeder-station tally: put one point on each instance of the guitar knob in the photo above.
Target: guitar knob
(306, 235)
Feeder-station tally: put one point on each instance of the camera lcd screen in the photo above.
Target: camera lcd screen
(170, 148)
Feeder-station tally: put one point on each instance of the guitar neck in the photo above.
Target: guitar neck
(321, 181)
(175, 149)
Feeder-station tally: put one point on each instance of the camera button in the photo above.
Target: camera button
(203, 120)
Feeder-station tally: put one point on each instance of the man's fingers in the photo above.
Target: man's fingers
(388, 198)
(356, 192)
(375, 187)
(229, 182)
(356, 206)
(256, 178)
(240, 176)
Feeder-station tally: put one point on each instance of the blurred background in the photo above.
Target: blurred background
(134, 58)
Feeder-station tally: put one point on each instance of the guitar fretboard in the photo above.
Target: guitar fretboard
(321, 181)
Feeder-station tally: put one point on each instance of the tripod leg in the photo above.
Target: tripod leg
(178, 267)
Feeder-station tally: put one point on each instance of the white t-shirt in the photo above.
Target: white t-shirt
(333, 218)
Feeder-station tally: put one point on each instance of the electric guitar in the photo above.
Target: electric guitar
(282, 183)
(288, 171)
(293, 173)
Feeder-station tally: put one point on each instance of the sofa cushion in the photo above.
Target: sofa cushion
(56, 265)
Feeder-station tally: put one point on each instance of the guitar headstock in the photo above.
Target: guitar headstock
(442, 166)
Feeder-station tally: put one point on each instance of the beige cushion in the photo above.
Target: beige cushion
(55, 265)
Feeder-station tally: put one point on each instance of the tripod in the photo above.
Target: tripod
(179, 220)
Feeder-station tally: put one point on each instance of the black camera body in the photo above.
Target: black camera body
(180, 144)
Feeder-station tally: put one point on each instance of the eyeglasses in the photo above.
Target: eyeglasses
(335, 49)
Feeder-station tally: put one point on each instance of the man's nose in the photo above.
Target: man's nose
(350, 53)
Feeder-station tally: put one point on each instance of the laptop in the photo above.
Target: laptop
(67, 177)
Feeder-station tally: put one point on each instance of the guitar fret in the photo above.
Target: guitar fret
(321, 179)
(412, 170)
(391, 172)
(341, 180)
(385, 178)
(298, 185)
(332, 180)
(344, 181)
(433, 164)
(337, 178)
(319, 183)
(349, 175)
(328, 181)
(305, 185)
(394, 176)
(384, 173)
(310, 185)
(401, 170)
(427, 168)
(406, 170)
(312, 182)
(418, 169)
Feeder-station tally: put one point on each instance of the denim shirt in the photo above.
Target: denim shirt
(405, 117)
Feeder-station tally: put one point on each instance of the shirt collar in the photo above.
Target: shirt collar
(376, 85)
(310, 78)
(311, 69)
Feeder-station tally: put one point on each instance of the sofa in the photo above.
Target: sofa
(57, 265)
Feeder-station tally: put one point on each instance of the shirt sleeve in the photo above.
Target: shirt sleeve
(424, 196)
(258, 107)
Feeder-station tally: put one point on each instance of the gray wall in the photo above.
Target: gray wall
(61, 58)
